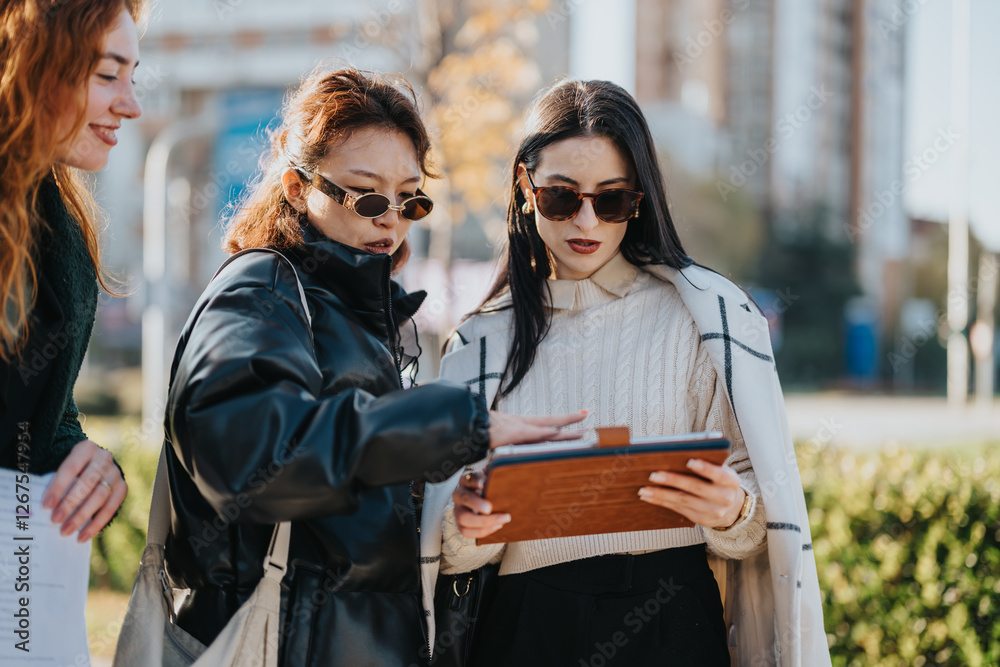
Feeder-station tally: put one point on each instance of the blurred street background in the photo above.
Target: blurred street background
(834, 157)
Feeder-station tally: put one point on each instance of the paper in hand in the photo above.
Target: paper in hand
(43, 579)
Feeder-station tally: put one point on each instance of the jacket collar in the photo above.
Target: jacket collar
(360, 279)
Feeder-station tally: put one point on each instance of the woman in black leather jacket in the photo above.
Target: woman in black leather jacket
(272, 419)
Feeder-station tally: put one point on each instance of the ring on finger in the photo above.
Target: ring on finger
(106, 483)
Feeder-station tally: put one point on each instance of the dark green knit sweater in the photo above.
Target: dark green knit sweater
(38, 386)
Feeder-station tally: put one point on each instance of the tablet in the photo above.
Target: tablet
(564, 489)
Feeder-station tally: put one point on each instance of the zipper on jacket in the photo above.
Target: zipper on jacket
(391, 323)
(420, 579)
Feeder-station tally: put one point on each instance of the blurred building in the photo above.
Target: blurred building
(761, 95)
(789, 104)
(226, 65)
(682, 81)
(797, 105)
(881, 227)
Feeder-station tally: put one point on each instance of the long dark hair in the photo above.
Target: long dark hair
(577, 109)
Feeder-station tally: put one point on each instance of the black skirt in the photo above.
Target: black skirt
(661, 608)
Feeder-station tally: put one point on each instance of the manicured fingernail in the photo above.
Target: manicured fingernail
(505, 519)
(695, 464)
(645, 493)
(658, 477)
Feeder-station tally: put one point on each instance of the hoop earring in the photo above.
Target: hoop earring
(527, 208)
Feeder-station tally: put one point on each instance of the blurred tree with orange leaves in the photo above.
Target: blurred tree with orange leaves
(479, 77)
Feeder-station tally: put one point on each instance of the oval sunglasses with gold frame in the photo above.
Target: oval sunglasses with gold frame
(371, 204)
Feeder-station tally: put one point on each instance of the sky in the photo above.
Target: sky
(929, 111)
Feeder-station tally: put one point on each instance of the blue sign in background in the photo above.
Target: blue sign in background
(246, 114)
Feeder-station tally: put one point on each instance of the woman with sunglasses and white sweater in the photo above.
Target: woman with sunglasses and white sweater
(597, 307)
(286, 401)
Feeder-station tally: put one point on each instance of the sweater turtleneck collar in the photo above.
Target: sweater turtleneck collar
(613, 280)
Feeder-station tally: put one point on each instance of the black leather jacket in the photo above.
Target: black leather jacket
(265, 425)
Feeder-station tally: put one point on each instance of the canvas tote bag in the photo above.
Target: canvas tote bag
(150, 636)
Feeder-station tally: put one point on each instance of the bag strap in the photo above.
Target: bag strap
(159, 508)
(276, 561)
(298, 283)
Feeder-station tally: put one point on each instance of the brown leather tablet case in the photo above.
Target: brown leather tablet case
(564, 489)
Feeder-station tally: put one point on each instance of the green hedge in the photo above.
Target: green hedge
(114, 558)
(907, 549)
(907, 545)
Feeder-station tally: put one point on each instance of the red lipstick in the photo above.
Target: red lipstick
(583, 246)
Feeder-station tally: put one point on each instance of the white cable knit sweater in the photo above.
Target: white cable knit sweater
(623, 346)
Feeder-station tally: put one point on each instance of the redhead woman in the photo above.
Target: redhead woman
(66, 88)
(280, 411)
(598, 307)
